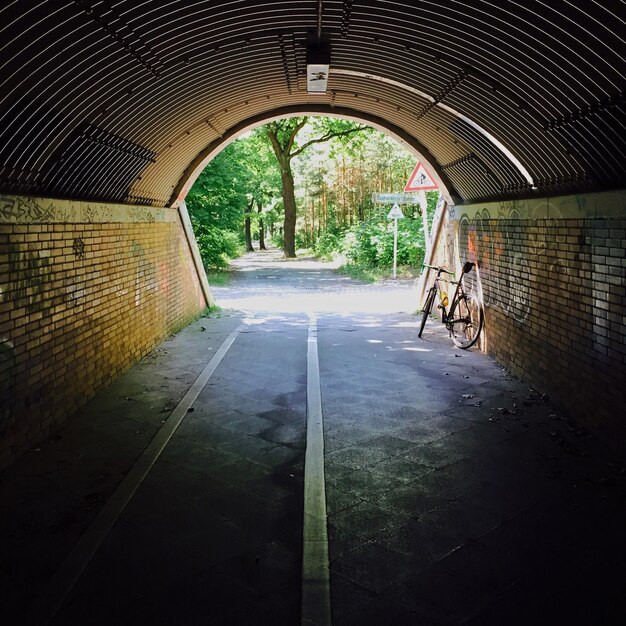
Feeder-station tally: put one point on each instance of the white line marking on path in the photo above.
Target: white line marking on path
(45, 607)
(315, 570)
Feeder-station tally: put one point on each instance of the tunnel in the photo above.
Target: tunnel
(111, 109)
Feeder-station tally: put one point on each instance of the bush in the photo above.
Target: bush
(217, 247)
(370, 243)
(303, 240)
(329, 244)
(278, 240)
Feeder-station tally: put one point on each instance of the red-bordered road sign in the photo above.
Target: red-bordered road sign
(420, 180)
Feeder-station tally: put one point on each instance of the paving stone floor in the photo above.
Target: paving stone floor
(455, 493)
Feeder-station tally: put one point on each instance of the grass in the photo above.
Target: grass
(213, 312)
(218, 278)
(364, 274)
(373, 274)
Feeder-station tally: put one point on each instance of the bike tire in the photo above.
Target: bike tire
(469, 315)
(430, 298)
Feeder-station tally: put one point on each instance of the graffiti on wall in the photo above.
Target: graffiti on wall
(504, 253)
(78, 247)
(33, 274)
(29, 210)
(33, 271)
(32, 210)
(145, 273)
(97, 213)
(484, 244)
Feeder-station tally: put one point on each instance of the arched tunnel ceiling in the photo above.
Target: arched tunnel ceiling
(114, 100)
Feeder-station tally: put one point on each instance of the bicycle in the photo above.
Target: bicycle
(465, 319)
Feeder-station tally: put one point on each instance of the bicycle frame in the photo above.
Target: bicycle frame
(444, 301)
(465, 318)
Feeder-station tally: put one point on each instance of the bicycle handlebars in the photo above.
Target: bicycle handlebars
(467, 267)
(439, 269)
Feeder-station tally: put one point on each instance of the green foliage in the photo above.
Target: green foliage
(283, 131)
(278, 240)
(329, 244)
(368, 245)
(217, 197)
(273, 217)
(337, 165)
(295, 135)
(219, 278)
(364, 274)
(242, 176)
(217, 247)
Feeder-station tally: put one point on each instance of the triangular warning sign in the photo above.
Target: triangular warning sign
(395, 213)
(420, 180)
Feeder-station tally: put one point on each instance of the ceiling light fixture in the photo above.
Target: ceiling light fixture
(318, 58)
(317, 66)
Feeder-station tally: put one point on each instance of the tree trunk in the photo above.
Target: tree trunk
(323, 221)
(261, 228)
(289, 200)
(282, 135)
(248, 230)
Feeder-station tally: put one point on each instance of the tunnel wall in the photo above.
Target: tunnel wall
(86, 290)
(552, 274)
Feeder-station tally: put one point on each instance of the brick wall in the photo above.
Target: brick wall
(553, 278)
(85, 291)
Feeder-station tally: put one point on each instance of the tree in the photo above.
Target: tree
(328, 171)
(217, 206)
(247, 229)
(229, 197)
(261, 226)
(217, 198)
(262, 182)
(283, 138)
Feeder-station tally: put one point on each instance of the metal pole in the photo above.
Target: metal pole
(320, 10)
(423, 207)
(395, 245)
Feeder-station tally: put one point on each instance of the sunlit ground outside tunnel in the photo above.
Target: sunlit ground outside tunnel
(265, 281)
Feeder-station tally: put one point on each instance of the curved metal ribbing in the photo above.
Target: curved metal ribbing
(113, 99)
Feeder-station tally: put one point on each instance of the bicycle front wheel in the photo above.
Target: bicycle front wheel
(465, 321)
(430, 298)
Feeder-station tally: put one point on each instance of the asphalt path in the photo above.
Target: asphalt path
(266, 281)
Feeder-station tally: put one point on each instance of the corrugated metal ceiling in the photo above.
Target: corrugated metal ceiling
(113, 100)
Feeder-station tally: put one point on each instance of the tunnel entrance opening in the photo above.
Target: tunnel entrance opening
(337, 190)
(458, 515)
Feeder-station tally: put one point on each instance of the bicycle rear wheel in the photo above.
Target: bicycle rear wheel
(430, 298)
(466, 321)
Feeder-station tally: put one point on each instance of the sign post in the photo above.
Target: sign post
(419, 182)
(395, 214)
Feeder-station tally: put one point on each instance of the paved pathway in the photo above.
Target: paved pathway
(265, 281)
(454, 494)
